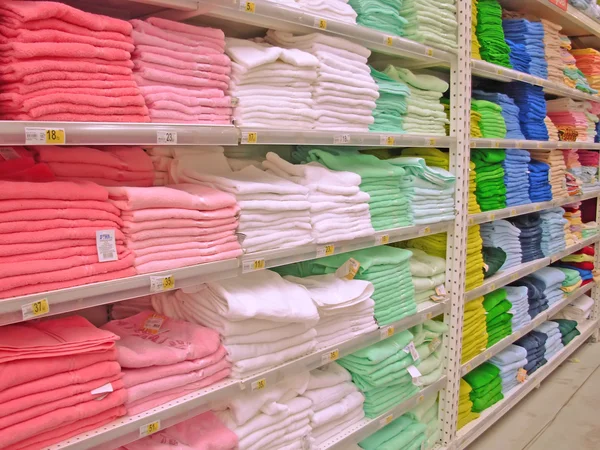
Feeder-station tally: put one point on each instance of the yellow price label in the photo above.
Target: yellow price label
(151, 428)
(334, 354)
(500, 72)
(492, 216)
(35, 309)
(55, 136)
(493, 286)
(160, 284)
(431, 141)
(390, 331)
(471, 221)
(252, 137)
(249, 7)
(329, 250)
(322, 24)
(496, 144)
(259, 384)
(426, 230)
(386, 420)
(168, 282)
(539, 145)
(536, 207)
(390, 140)
(259, 264)
(420, 399)
(520, 76)
(429, 315)
(519, 144)
(513, 212)
(389, 40)
(383, 240)
(429, 52)
(252, 265)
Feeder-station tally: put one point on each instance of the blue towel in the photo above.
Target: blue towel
(516, 179)
(530, 35)
(532, 109)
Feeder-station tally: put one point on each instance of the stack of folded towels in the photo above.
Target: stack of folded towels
(553, 227)
(182, 71)
(591, 111)
(432, 156)
(504, 235)
(509, 361)
(474, 269)
(553, 342)
(519, 58)
(491, 190)
(465, 405)
(579, 309)
(490, 33)
(342, 74)
(535, 344)
(589, 229)
(388, 268)
(19, 164)
(540, 189)
(493, 259)
(552, 279)
(552, 130)
(380, 371)
(568, 329)
(581, 261)
(425, 113)
(558, 169)
(202, 431)
(431, 23)
(49, 237)
(509, 111)
(475, 131)
(107, 166)
(486, 383)
(60, 378)
(573, 215)
(273, 418)
(532, 109)
(345, 307)
(475, 46)
(530, 237)
(517, 296)
(589, 169)
(427, 339)
(427, 413)
(572, 280)
(498, 319)
(566, 112)
(552, 51)
(392, 104)
(380, 14)
(475, 335)
(573, 172)
(588, 60)
(273, 85)
(182, 225)
(154, 370)
(63, 64)
(405, 432)
(491, 123)
(339, 210)
(516, 176)
(389, 186)
(433, 190)
(277, 328)
(336, 402)
(535, 294)
(474, 207)
(336, 9)
(428, 272)
(572, 76)
(434, 244)
(531, 35)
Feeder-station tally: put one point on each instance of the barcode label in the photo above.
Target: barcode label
(106, 246)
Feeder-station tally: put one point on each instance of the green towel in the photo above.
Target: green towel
(402, 433)
(381, 15)
(482, 375)
(494, 258)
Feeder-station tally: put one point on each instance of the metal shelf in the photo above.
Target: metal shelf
(127, 429)
(80, 297)
(366, 427)
(473, 430)
(513, 211)
(537, 321)
(530, 145)
(514, 273)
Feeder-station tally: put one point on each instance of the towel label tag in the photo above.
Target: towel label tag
(44, 136)
(410, 348)
(328, 357)
(106, 246)
(387, 140)
(161, 284)
(521, 375)
(415, 374)
(249, 7)
(249, 137)
(8, 153)
(441, 289)
(386, 420)
(148, 429)
(325, 250)
(341, 139)
(253, 265)
(153, 323)
(348, 270)
(259, 384)
(386, 332)
(35, 309)
(166, 137)
(106, 389)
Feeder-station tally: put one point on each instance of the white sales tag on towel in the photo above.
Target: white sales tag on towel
(8, 153)
(410, 348)
(166, 137)
(106, 389)
(106, 246)
(415, 374)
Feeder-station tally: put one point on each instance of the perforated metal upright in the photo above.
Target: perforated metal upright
(595, 289)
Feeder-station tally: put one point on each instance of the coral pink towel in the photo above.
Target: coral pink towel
(121, 98)
(55, 86)
(66, 27)
(53, 337)
(55, 36)
(66, 108)
(133, 159)
(143, 215)
(57, 190)
(184, 55)
(40, 215)
(214, 253)
(133, 377)
(173, 232)
(193, 197)
(37, 204)
(66, 252)
(15, 51)
(108, 182)
(39, 247)
(135, 227)
(39, 225)
(182, 28)
(40, 173)
(63, 169)
(30, 73)
(159, 249)
(14, 159)
(164, 264)
(56, 234)
(151, 57)
(176, 341)
(81, 117)
(177, 240)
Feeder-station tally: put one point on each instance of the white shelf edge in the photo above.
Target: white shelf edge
(531, 145)
(505, 277)
(537, 321)
(126, 429)
(80, 297)
(477, 427)
(513, 211)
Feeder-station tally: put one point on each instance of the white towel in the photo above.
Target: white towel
(239, 352)
(326, 376)
(338, 410)
(252, 54)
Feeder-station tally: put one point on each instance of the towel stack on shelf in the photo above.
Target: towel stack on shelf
(486, 383)
(573, 172)
(552, 49)
(509, 361)
(465, 405)
(553, 227)
(403, 432)
(591, 111)
(566, 112)
(431, 23)
(589, 170)
(587, 61)
(581, 261)
(474, 207)
(534, 342)
(19, 164)
(572, 76)
(578, 310)
(531, 35)
(392, 104)
(345, 307)
(475, 131)
(535, 294)
(553, 342)
(504, 235)
(530, 237)
(154, 370)
(63, 64)
(490, 33)
(475, 46)
(532, 109)
(475, 335)
(540, 189)
(335, 9)
(267, 334)
(474, 269)
(273, 86)
(519, 58)
(590, 229)
(558, 170)
(343, 76)
(552, 278)
(427, 339)
(491, 124)
(509, 111)
(498, 319)
(338, 209)
(575, 225)
(60, 378)
(572, 280)
(568, 329)
(552, 130)
(517, 296)
(381, 15)
(516, 176)
(491, 190)
(428, 272)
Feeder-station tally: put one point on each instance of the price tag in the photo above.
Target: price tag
(441, 290)
(491, 216)
(153, 323)
(259, 384)
(496, 144)
(410, 348)
(386, 420)
(429, 52)
(425, 231)
(382, 240)
(151, 428)
(45, 136)
(493, 286)
(330, 356)
(521, 375)
(249, 7)
(253, 265)
(386, 332)
(326, 250)
(538, 145)
(106, 247)
(536, 207)
(429, 316)
(500, 71)
(420, 399)
(520, 76)
(514, 277)
(348, 270)
(341, 139)
(468, 367)
(415, 374)
(35, 309)
(387, 140)
(320, 23)
(161, 284)
(471, 221)
(513, 212)
(166, 137)
(519, 144)
(388, 40)
(249, 137)
(431, 141)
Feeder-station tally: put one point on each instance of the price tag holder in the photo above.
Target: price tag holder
(386, 420)
(388, 40)
(342, 139)
(321, 24)
(35, 309)
(249, 7)
(386, 332)
(429, 51)
(150, 428)
(166, 137)
(325, 250)
(331, 356)
(431, 141)
(249, 137)
(45, 136)
(382, 240)
(387, 140)
(161, 284)
(512, 212)
(253, 265)
(259, 384)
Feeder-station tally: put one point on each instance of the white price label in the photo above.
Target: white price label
(166, 137)
(341, 139)
(161, 284)
(106, 246)
(326, 250)
(45, 136)
(35, 309)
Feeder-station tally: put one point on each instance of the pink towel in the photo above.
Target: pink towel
(133, 159)
(143, 215)
(109, 182)
(196, 72)
(74, 109)
(44, 103)
(161, 241)
(42, 215)
(12, 102)
(219, 252)
(190, 232)
(15, 159)
(178, 63)
(40, 225)
(185, 246)
(20, 71)
(182, 28)
(56, 234)
(157, 266)
(165, 93)
(197, 197)
(56, 36)
(135, 227)
(84, 170)
(200, 111)
(156, 75)
(66, 252)
(58, 75)
(133, 377)
(58, 190)
(175, 342)
(38, 247)
(174, 116)
(205, 44)
(44, 204)
(66, 27)
(81, 117)
(40, 173)
(56, 86)
(155, 41)
(184, 55)
(15, 51)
